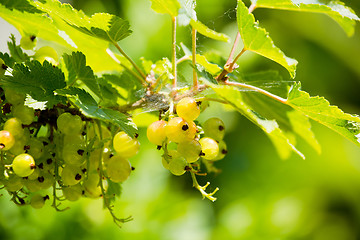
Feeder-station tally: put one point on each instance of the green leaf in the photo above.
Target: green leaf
(16, 52)
(256, 39)
(116, 30)
(337, 10)
(233, 96)
(39, 81)
(204, 30)
(77, 69)
(20, 5)
(320, 110)
(88, 106)
(9, 61)
(166, 6)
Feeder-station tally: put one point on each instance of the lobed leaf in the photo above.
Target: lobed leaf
(320, 110)
(89, 107)
(256, 39)
(20, 5)
(39, 81)
(337, 10)
(233, 96)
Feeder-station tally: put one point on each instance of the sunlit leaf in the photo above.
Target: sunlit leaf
(204, 30)
(170, 7)
(256, 39)
(337, 10)
(320, 110)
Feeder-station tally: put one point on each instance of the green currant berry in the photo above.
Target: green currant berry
(125, 145)
(37, 201)
(71, 175)
(91, 185)
(13, 97)
(24, 113)
(156, 132)
(118, 169)
(7, 140)
(222, 151)
(69, 124)
(72, 193)
(177, 165)
(188, 109)
(209, 148)
(190, 150)
(28, 42)
(23, 165)
(14, 126)
(178, 130)
(214, 128)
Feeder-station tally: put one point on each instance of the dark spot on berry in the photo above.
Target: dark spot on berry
(46, 197)
(78, 177)
(132, 168)
(2, 145)
(41, 179)
(198, 103)
(83, 133)
(22, 202)
(84, 170)
(185, 127)
(49, 161)
(32, 166)
(25, 178)
(53, 154)
(6, 108)
(111, 155)
(158, 147)
(31, 131)
(32, 38)
(221, 128)
(224, 151)
(45, 143)
(83, 192)
(202, 153)
(80, 152)
(41, 165)
(26, 147)
(136, 135)
(3, 66)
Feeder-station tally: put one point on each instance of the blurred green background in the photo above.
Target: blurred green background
(260, 197)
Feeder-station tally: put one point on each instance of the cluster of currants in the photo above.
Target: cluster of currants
(184, 143)
(59, 149)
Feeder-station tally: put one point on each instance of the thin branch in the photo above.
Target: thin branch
(256, 89)
(131, 61)
(173, 59)
(230, 64)
(232, 52)
(195, 79)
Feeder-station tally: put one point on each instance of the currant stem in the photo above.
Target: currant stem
(131, 61)
(202, 189)
(116, 220)
(195, 79)
(173, 59)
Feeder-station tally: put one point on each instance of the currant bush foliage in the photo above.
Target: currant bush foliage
(67, 112)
